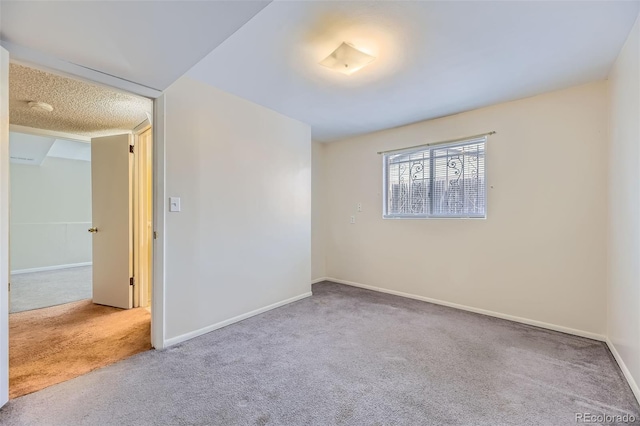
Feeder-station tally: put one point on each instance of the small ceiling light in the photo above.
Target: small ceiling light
(346, 59)
(41, 106)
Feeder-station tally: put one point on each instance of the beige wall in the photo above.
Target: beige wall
(624, 208)
(243, 238)
(50, 213)
(539, 255)
(318, 203)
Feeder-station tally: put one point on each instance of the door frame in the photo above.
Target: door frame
(47, 63)
(4, 227)
(160, 204)
(139, 169)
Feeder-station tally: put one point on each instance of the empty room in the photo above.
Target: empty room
(355, 212)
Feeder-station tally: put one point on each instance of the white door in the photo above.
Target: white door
(4, 226)
(111, 210)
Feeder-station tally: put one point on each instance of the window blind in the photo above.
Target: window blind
(436, 181)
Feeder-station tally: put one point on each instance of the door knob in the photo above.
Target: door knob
(93, 230)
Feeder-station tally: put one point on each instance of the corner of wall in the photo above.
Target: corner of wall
(318, 211)
(623, 144)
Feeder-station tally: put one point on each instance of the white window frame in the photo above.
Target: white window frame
(429, 147)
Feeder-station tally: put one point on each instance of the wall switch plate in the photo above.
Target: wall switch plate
(359, 207)
(353, 219)
(174, 204)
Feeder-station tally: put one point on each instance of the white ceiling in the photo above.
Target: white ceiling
(28, 149)
(32, 150)
(433, 58)
(71, 150)
(151, 43)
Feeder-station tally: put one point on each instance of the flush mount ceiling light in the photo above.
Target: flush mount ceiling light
(346, 59)
(40, 106)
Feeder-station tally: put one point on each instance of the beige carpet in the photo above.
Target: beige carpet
(51, 345)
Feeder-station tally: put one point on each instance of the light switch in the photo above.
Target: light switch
(353, 220)
(359, 207)
(174, 204)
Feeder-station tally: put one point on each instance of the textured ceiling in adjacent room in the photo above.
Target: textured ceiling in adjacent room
(78, 108)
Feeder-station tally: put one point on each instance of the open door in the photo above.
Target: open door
(111, 210)
(4, 226)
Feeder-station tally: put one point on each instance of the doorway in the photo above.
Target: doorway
(50, 185)
(52, 343)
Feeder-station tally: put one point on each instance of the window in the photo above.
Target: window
(445, 180)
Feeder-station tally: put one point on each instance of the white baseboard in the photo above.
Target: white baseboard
(627, 374)
(184, 337)
(527, 321)
(319, 280)
(50, 268)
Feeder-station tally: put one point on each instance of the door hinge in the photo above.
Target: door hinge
(9, 286)
(131, 149)
(132, 281)
(155, 235)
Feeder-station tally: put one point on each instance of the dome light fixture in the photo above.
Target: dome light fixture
(40, 106)
(346, 59)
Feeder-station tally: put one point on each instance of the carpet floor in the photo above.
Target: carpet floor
(51, 345)
(347, 356)
(37, 290)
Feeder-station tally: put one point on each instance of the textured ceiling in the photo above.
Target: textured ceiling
(433, 58)
(79, 108)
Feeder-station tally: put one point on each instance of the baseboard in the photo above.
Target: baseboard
(184, 337)
(50, 268)
(627, 374)
(527, 321)
(319, 280)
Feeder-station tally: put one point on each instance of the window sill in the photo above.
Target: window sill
(394, 217)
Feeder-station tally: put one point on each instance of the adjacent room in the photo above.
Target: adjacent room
(323, 213)
(71, 176)
(51, 211)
